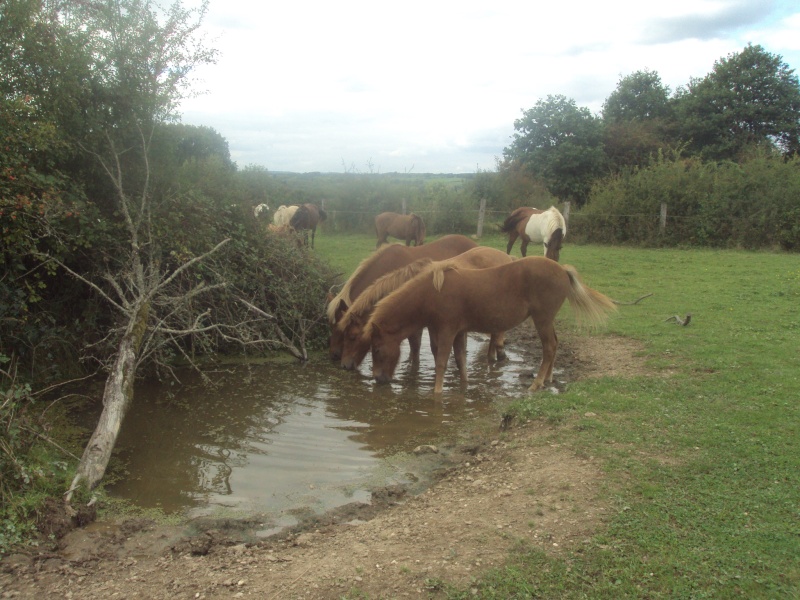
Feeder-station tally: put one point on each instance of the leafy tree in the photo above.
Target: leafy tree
(640, 96)
(750, 98)
(560, 143)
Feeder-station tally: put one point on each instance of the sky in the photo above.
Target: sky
(435, 86)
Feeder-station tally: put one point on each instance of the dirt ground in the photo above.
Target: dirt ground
(502, 487)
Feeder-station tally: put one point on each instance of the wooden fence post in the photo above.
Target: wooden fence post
(481, 214)
(662, 225)
(404, 206)
(566, 213)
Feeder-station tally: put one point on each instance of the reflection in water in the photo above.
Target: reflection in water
(270, 438)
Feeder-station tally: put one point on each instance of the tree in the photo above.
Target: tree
(640, 96)
(560, 143)
(750, 98)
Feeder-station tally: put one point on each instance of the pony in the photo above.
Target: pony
(306, 218)
(403, 227)
(382, 261)
(534, 225)
(283, 215)
(258, 209)
(451, 301)
(355, 348)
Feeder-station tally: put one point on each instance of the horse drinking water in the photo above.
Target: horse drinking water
(403, 227)
(355, 347)
(379, 263)
(534, 225)
(450, 301)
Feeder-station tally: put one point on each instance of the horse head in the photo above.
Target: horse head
(336, 340)
(385, 352)
(554, 244)
(355, 345)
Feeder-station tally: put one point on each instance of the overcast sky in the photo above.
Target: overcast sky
(435, 86)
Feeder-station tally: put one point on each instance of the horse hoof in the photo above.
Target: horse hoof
(536, 386)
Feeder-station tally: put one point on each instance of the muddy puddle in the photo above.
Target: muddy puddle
(283, 439)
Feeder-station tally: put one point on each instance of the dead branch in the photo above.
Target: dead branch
(284, 340)
(634, 302)
(679, 321)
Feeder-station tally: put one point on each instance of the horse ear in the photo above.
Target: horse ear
(341, 309)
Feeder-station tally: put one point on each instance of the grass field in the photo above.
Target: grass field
(703, 461)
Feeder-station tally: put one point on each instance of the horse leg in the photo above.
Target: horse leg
(415, 343)
(547, 335)
(444, 344)
(497, 344)
(313, 235)
(525, 246)
(512, 237)
(460, 354)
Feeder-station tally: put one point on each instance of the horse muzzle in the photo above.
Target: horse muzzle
(382, 378)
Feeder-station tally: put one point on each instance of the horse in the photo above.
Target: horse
(283, 215)
(382, 261)
(534, 225)
(403, 227)
(306, 218)
(258, 209)
(450, 302)
(355, 348)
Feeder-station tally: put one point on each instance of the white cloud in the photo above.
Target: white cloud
(436, 86)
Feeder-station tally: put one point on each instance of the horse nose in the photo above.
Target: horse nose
(348, 365)
(382, 378)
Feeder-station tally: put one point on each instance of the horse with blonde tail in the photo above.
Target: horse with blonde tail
(451, 301)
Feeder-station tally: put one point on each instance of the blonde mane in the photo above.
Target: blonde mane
(382, 287)
(556, 222)
(344, 295)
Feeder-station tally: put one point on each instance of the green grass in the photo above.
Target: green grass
(702, 459)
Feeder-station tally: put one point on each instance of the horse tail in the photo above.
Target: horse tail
(589, 305)
(510, 224)
(382, 287)
(439, 270)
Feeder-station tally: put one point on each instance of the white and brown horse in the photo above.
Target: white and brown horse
(540, 226)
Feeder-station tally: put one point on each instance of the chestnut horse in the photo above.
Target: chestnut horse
(380, 263)
(450, 302)
(306, 218)
(534, 225)
(352, 322)
(403, 227)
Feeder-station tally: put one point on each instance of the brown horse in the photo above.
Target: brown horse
(355, 347)
(379, 263)
(306, 218)
(450, 302)
(534, 225)
(403, 227)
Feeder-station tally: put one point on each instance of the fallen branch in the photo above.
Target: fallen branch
(679, 321)
(302, 355)
(632, 303)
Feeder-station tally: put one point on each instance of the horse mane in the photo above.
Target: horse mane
(556, 222)
(382, 287)
(344, 294)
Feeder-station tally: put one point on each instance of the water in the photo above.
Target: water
(283, 437)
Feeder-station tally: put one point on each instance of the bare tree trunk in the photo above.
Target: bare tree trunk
(117, 397)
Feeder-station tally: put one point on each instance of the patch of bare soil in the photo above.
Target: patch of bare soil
(504, 488)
